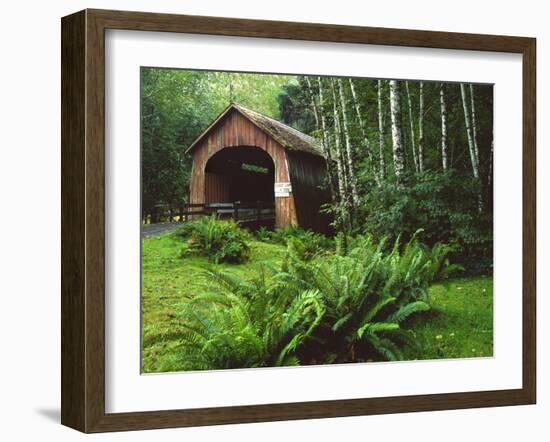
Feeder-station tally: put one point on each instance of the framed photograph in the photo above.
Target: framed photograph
(267, 221)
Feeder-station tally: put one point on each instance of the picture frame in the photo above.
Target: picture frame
(83, 220)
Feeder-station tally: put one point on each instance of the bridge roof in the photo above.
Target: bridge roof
(285, 135)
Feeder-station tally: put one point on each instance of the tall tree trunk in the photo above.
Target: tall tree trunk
(421, 127)
(474, 122)
(411, 124)
(471, 143)
(381, 133)
(313, 102)
(396, 130)
(358, 111)
(444, 144)
(363, 127)
(349, 156)
(339, 157)
(468, 122)
(326, 147)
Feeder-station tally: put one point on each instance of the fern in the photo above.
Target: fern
(250, 323)
(316, 307)
(376, 327)
(220, 241)
(408, 309)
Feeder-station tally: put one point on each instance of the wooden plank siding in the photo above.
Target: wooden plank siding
(216, 188)
(231, 132)
(308, 173)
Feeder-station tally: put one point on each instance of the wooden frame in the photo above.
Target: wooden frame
(83, 216)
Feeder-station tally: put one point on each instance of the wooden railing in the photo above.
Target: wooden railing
(240, 211)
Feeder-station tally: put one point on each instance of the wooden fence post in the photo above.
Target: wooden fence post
(258, 212)
(236, 210)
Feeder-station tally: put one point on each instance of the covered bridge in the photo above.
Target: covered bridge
(244, 156)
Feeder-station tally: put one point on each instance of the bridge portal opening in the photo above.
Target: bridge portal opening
(240, 174)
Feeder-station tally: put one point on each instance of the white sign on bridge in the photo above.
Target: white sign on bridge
(282, 190)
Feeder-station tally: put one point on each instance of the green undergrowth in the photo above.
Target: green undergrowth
(458, 324)
(169, 280)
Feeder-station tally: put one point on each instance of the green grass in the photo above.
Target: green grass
(168, 280)
(458, 326)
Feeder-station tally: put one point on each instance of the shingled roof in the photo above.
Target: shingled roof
(287, 136)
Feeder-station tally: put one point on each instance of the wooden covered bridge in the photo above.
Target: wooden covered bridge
(247, 159)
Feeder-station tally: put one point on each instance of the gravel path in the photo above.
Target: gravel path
(149, 230)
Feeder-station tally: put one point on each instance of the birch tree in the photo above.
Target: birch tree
(411, 124)
(396, 130)
(421, 127)
(381, 133)
(468, 122)
(362, 126)
(471, 142)
(349, 157)
(474, 122)
(444, 144)
(338, 153)
(324, 135)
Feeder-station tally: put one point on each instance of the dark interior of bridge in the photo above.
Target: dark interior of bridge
(244, 174)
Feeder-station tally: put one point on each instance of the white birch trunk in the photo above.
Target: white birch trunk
(349, 157)
(381, 133)
(411, 124)
(323, 119)
(444, 144)
(468, 122)
(471, 143)
(339, 157)
(326, 147)
(396, 130)
(421, 127)
(358, 111)
(474, 123)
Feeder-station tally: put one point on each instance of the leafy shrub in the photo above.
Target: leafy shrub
(263, 234)
(445, 205)
(368, 294)
(309, 243)
(220, 241)
(329, 308)
(251, 323)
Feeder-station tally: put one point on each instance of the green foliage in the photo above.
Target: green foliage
(350, 299)
(444, 205)
(247, 323)
(459, 323)
(312, 308)
(304, 242)
(342, 243)
(368, 293)
(295, 106)
(220, 241)
(176, 106)
(263, 234)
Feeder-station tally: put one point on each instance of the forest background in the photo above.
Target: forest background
(403, 155)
